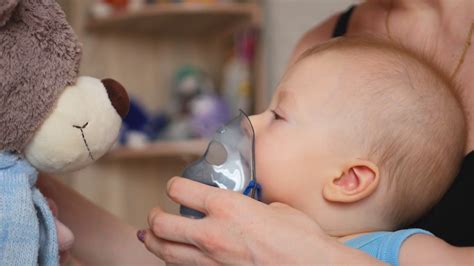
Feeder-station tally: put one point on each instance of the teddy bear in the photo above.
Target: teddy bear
(51, 120)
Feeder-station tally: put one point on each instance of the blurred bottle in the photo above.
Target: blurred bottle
(237, 76)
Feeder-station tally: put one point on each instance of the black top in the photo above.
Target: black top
(343, 23)
(452, 219)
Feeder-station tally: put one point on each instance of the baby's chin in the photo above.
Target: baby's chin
(267, 198)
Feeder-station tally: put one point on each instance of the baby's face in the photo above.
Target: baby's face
(298, 142)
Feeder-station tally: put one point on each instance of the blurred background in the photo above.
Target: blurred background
(188, 66)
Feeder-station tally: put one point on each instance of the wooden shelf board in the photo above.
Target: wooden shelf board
(193, 147)
(179, 18)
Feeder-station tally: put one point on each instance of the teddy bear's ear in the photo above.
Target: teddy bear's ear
(6, 10)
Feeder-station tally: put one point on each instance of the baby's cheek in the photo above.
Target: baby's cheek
(261, 154)
(267, 169)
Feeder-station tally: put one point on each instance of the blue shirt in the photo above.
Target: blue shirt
(384, 246)
(27, 228)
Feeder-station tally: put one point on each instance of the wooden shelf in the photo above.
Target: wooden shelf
(194, 147)
(180, 18)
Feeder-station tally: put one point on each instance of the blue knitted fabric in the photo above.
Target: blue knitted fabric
(385, 246)
(27, 228)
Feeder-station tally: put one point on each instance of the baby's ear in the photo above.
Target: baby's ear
(6, 10)
(357, 182)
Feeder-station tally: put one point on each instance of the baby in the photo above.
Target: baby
(363, 136)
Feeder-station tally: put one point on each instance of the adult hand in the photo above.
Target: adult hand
(65, 236)
(237, 230)
(99, 237)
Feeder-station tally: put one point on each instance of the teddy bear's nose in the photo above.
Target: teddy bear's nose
(118, 96)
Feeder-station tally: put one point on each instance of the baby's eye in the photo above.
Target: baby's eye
(276, 116)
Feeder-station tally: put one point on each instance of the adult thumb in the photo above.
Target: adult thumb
(65, 236)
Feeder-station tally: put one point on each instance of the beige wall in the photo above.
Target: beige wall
(285, 22)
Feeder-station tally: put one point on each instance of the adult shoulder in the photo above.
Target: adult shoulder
(316, 35)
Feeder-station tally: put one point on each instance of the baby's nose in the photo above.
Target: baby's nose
(118, 96)
(254, 120)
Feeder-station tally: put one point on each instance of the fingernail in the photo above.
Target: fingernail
(168, 184)
(141, 235)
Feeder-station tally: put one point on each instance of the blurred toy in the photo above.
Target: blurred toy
(190, 1)
(196, 108)
(106, 8)
(134, 5)
(100, 9)
(117, 4)
(190, 82)
(140, 127)
(208, 112)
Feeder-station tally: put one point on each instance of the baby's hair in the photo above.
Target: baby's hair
(413, 126)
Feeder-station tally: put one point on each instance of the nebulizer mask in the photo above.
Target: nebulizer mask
(228, 163)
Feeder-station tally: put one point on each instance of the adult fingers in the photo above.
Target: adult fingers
(191, 194)
(172, 227)
(211, 201)
(65, 236)
(53, 207)
(64, 257)
(175, 253)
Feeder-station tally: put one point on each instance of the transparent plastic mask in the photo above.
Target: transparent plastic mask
(228, 163)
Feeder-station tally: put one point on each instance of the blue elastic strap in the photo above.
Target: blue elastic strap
(253, 185)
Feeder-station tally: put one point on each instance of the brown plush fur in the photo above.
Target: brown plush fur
(39, 57)
(6, 10)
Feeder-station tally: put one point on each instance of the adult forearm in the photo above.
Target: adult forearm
(101, 238)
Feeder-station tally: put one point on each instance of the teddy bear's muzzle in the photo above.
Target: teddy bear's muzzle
(118, 96)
